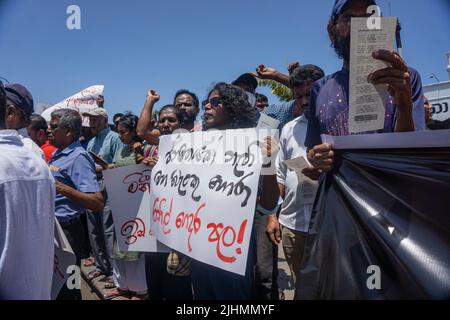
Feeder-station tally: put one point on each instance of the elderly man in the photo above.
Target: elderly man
(19, 107)
(104, 145)
(27, 202)
(76, 184)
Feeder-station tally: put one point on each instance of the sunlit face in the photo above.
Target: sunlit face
(186, 103)
(126, 136)
(39, 136)
(428, 112)
(56, 135)
(15, 118)
(215, 115)
(302, 96)
(341, 30)
(168, 121)
(97, 124)
(261, 105)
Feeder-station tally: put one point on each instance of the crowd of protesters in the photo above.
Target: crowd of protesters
(55, 170)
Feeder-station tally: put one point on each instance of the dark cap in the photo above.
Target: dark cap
(246, 78)
(20, 97)
(339, 6)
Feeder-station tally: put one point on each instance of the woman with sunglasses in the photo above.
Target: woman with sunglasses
(227, 107)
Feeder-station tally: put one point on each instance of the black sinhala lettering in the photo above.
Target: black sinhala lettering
(160, 178)
(246, 159)
(181, 182)
(217, 183)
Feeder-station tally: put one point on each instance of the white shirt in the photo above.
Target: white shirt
(27, 201)
(30, 144)
(294, 214)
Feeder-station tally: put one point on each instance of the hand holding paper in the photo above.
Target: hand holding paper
(397, 77)
(321, 157)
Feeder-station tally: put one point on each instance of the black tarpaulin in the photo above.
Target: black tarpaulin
(385, 208)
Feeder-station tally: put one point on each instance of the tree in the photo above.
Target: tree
(281, 91)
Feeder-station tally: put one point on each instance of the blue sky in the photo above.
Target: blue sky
(168, 45)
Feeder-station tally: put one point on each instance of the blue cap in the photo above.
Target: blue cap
(20, 97)
(339, 6)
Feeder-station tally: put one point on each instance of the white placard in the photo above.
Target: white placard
(63, 258)
(203, 195)
(129, 197)
(82, 101)
(367, 102)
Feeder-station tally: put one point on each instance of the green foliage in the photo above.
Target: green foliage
(281, 91)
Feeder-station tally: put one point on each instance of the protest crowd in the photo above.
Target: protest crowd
(52, 172)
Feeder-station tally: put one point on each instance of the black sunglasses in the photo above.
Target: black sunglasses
(214, 102)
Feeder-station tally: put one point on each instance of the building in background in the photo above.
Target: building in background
(439, 96)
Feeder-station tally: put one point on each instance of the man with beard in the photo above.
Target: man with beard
(329, 107)
(189, 104)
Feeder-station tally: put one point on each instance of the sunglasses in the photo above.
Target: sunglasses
(214, 102)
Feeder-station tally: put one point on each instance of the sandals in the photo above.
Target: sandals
(109, 284)
(89, 262)
(94, 274)
(115, 293)
(135, 296)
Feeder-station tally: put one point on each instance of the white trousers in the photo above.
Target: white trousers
(130, 275)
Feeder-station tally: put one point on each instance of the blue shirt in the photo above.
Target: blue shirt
(105, 145)
(282, 112)
(329, 108)
(85, 143)
(74, 167)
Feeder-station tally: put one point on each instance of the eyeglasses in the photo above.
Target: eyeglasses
(214, 102)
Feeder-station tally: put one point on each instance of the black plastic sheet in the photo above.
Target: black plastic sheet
(385, 208)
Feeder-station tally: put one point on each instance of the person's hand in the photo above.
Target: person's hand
(273, 230)
(111, 166)
(152, 96)
(99, 168)
(264, 72)
(150, 161)
(397, 77)
(269, 147)
(138, 147)
(321, 157)
(291, 67)
(60, 187)
(100, 101)
(312, 173)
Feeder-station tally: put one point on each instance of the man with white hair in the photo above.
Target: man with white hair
(104, 144)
